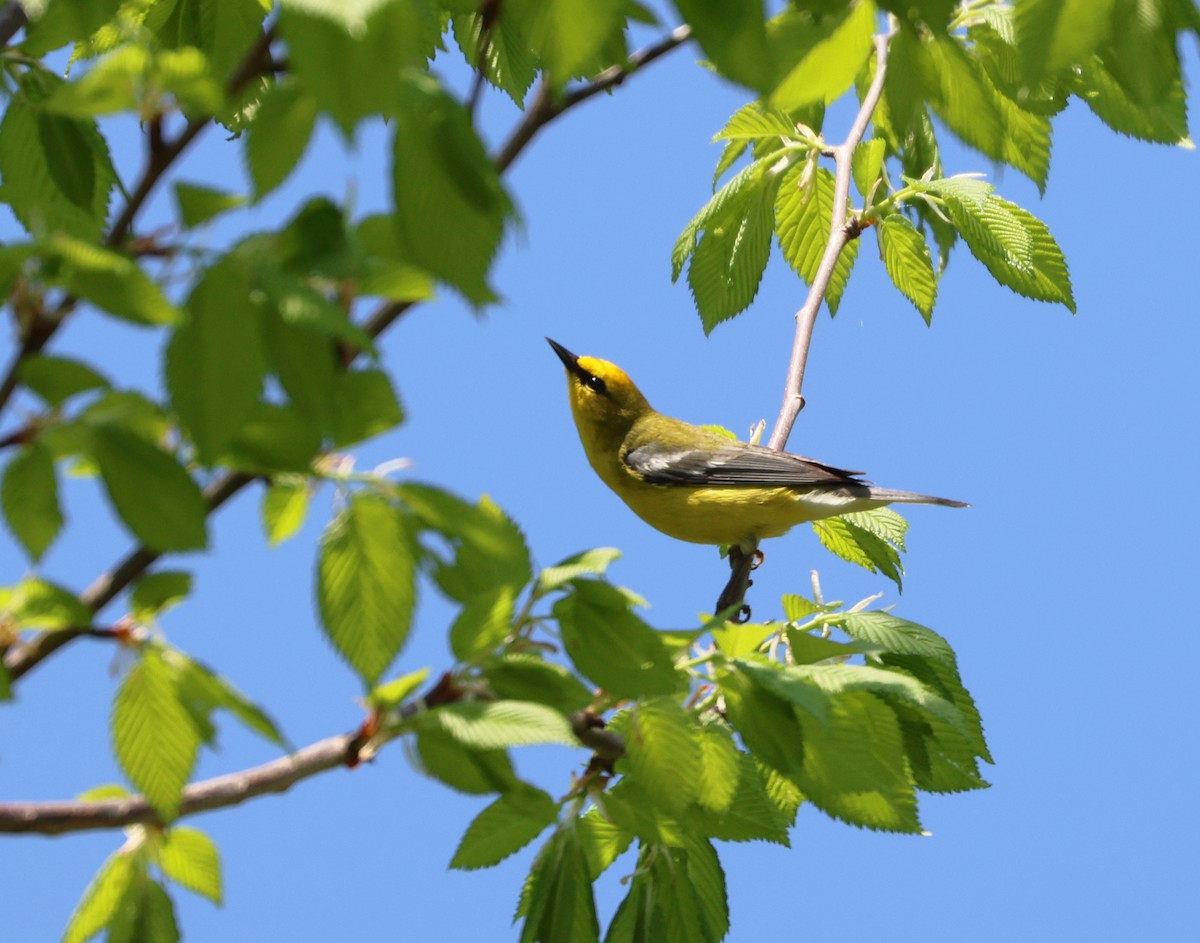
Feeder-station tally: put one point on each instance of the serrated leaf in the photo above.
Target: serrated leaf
(567, 35)
(892, 634)
(752, 815)
(827, 68)
(99, 903)
(527, 677)
(110, 281)
(278, 136)
(475, 772)
(866, 164)
(449, 205)
(57, 379)
(504, 828)
(190, 858)
(197, 204)
(214, 362)
(29, 494)
(496, 725)
(366, 584)
(860, 547)
(561, 908)
(802, 220)
(612, 646)
(201, 690)
(508, 61)
(159, 502)
(726, 204)
(1055, 34)
(602, 841)
(284, 507)
(787, 684)
(716, 784)
(154, 737)
(756, 121)
(909, 265)
(154, 594)
(766, 722)
(663, 753)
(1163, 122)
(890, 685)
(586, 563)
(484, 623)
(1014, 245)
(958, 91)
(804, 648)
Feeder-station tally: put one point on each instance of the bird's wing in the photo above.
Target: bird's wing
(736, 464)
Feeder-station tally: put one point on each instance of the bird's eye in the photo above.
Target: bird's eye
(595, 384)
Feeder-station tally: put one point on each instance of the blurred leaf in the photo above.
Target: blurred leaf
(566, 35)
(284, 506)
(154, 738)
(386, 272)
(733, 36)
(752, 815)
(586, 563)
(29, 494)
(485, 622)
(39, 604)
(189, 858)
(365, 405)
(1055, 34)
(527, 677)
(99, 904)
(494, 725)
(504, 828)
(202, 691)
(60, 22)
(805, 648)
(200, 204)
(867, 165)
(560, 904)
(110, 281)
(366, 583)
(663, 753)
(509, 62)
(279, 135)
(57, 379)
(214, 362)
(601, 841)
(158, 501)
(827, 64)
(155, 593)
(391, 694)
(274, 439)
(475, 772)
(1164, 122)
(612, 646)
(449, 205)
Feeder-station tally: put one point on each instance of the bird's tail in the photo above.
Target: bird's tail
(908, 497)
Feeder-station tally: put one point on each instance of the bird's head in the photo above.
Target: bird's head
(602, 395)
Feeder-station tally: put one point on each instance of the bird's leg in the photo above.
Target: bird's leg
(740, 565)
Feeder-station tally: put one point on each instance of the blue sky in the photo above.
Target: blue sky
(1065, 589)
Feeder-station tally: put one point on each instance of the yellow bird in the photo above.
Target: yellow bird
(697, 485)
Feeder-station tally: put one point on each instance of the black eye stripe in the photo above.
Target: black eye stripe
(595, 384)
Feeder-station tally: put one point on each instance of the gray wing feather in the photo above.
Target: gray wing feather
(748, 465)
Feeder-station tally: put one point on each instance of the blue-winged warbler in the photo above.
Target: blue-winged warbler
(697, 485)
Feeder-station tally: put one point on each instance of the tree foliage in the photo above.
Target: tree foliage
(697, 737)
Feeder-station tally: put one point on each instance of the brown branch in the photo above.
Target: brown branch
(22, 658)
(840, 235)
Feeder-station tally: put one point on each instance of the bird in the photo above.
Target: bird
(697, 485)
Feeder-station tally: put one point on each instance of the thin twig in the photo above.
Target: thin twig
(839, 237)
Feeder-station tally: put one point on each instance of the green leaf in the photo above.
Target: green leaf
(805, 648)
(586, 563)
(392, 694)
(366, 583)
(489, 549)
(57, 379)
(190, 858)
(509, 62)
(1164, 122)
(942, 678)
(99, 903)
(890, 633)
(1055, 34)
(110, 281)
(198, 204)
(475, 772)
(39, 604)
(1014, 245)
(146, 913)
(154, 737)
(663, 753)
(527, 677)
(301, 306)
(890, 685)
(365, 405)
(350, 57)
(757, 121)
(561, 908)
(909, 265)
(785, 682)
(274, 439)
(826, 68)
(56, 23)
(278, 136)
(494, 725)
(867, 165)
(733, 36)
(504, 828)
(385, 270)
(154, 594)
(717, 782)
(450, 207)
(566, 35)
(484, 623)
(728, 262)
(802, 219)
(214, 362)
(201, 690)
(602, 841)
(284, 506)
(676, 894)
(612, 646)
(733, 639)
(752, 815)
(767, 723)
(726, 204)
(859, 546)
(305, 361)
(29, 494)
(158, 501)
(957, 88)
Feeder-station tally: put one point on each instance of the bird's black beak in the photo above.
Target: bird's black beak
(570, 361)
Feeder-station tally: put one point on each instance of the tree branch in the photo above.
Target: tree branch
(840, 235)
(12, 18)
(21, 658)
